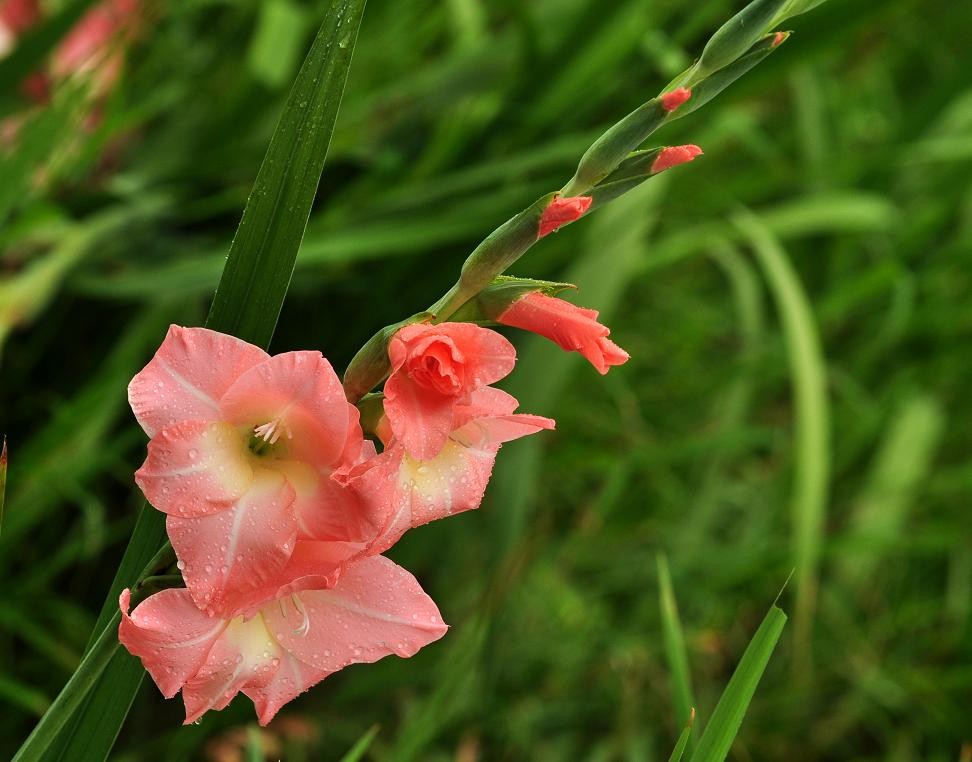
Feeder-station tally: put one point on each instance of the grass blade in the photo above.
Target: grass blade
(679, 751)
(812, 424)
(361, 746)
(674, 641)
(727, 718)
(247, 303)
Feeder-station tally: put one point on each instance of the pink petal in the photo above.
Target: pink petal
(245, 654)
(187, 376)
(376, 609)
(291, 678)
(420, 418)
(227, 554)
(603, 354)
(195, 468)
(673, 156)
(170, 635)
(486, 355)
(420, 415)
(572, 328)
(672, 100)
(301, 392)
(314, 565)
(561, 211)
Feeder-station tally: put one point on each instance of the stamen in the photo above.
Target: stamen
(270, 432)
(305, 622)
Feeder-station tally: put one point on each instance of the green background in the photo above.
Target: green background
(755, 396)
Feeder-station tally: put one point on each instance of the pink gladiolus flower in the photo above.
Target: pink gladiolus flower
(435, 369)
(561, 211)
(290, 644)
(674, 99)
(243, 447)
(403, 492)
(673, 156)
(574, 329)
(90, 43)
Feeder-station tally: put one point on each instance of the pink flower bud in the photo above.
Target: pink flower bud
(778, 38)
(673, 156)
(674, 99)
(572, 328)
(561, 211)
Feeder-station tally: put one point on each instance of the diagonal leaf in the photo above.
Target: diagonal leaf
(727, 718)
(679, 751)
(247, 303)
(674, 640)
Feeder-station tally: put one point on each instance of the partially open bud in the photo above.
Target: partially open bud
(562, 211)
(672, 100)
(778, 38)
(673, 156)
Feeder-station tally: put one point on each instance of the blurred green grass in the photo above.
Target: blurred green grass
(851, 147)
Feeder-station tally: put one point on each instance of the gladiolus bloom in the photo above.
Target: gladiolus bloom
(572, 328)
(435, 369)
(243, 447)
(403, 492)
(561, 211)
(289, 645)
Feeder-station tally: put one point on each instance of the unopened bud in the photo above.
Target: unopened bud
(673, 156)
(778, 38)
(672, 100)
(562, 211)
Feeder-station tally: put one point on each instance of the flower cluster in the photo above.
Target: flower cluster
(278, 507)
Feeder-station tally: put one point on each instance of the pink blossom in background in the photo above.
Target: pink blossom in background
(561, 211)
(403, 492)
(434, 369)
(15, 17)
(572, 328)
(375, 610)
(94, 43)
(242, 454)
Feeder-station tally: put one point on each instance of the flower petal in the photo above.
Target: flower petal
(229, 553)
(301, 392)
(245, 654)
(195, 468)
(487, 356)
(170, 635)
(291, 678)
(377, 608)
(189, 373)
(420, 418)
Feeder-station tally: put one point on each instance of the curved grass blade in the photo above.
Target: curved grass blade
(247, 303)
(812, 424)
(361, 746)
(727, 718)
(679, 751)
(674, 640)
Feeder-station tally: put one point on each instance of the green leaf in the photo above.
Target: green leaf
(683, 739)
(674, 640)
(812, 453)
(261, 259)
(727, 718)
(247, 303)
(734, 37)
(361, 746)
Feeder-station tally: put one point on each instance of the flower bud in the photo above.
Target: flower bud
(562, 211)
(672, 100)
(673, 156)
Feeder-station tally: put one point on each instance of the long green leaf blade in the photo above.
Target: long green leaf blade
(247, 303)
(727, 718)
(262, 257)
(674, 640)
(812, 455)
